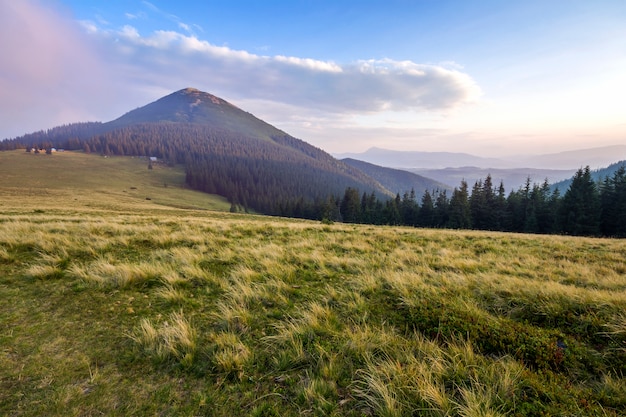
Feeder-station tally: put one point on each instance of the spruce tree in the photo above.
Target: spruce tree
(580, 207)
(459, 209)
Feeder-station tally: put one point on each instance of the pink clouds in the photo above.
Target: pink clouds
(58, 70)
(48, 71)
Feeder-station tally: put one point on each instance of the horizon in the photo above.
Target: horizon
(485, 78)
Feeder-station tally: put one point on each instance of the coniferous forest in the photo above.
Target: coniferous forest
(586, 209)
(278, 177)
(591, 205)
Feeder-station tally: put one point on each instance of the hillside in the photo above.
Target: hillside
(419, 160)
(512, 178)
(422, 160)
(65, 179)
(396, 180)
(194, 106)
(598, 175)
(225, 151)
(138, 309)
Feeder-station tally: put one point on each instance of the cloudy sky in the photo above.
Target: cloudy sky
(488, 77)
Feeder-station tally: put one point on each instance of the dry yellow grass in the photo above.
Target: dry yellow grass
(288, 317)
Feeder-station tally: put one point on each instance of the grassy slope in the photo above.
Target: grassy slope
(115, 305)
(73, 178)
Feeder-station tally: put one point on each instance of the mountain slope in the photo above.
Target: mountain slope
(594, 157)
(423, 160)
(194, 106)
(226, 151)
(567, 160)
(512, 179)
(396, 180)
(598, 176)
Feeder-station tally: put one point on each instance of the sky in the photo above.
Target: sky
(486, 77)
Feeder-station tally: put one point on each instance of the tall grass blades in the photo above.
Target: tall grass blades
(174, 338)
(156, 310)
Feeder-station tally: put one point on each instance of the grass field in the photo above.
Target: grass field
(67, 179)
(111, 304)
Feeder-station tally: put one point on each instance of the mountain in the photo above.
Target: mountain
(422, 160)
(594, 157)
(225, 151)
(598, 176)
(450, 168)
(512, 179)
(415, 160)
(197, 107)
(396, 180)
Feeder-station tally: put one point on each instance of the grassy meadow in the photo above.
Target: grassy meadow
(111, 304)
(64, 180)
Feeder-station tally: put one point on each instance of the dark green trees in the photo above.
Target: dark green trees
(613, 204)
(351, 206)
(459, 210)
(532, 209)
(484, 207)
(580, 208)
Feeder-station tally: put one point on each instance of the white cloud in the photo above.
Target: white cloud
(364, 86)
(311, 64)
(59, 66)
(135, 16)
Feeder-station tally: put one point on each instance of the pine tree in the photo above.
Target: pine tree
(613, 204)
(442, 205)
(409, 209)
(459, 210)
(351, 206)
(427, 211)
(580, 207)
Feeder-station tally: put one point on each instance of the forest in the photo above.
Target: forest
(287, 177)
(587, 208)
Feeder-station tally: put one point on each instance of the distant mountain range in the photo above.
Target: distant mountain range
(512, 179)
(451, 168)
(396, 180)
(594, 157)
(422, 160)
(416, 160)
(598, 175)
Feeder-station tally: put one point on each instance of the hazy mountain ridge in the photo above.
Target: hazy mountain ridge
(593, 157)
(396, 180)
(407, 160)
(418, 160)
(598, 175)
(511, 178)
(450, 168)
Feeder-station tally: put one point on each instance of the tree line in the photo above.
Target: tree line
(587, 208)
(287, 177)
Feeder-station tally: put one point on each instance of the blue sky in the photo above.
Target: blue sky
(486, 77)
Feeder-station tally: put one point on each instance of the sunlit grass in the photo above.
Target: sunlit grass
(173, 338)
(181, 312)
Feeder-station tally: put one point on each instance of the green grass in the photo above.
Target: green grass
(65, 179)
(124, 307)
